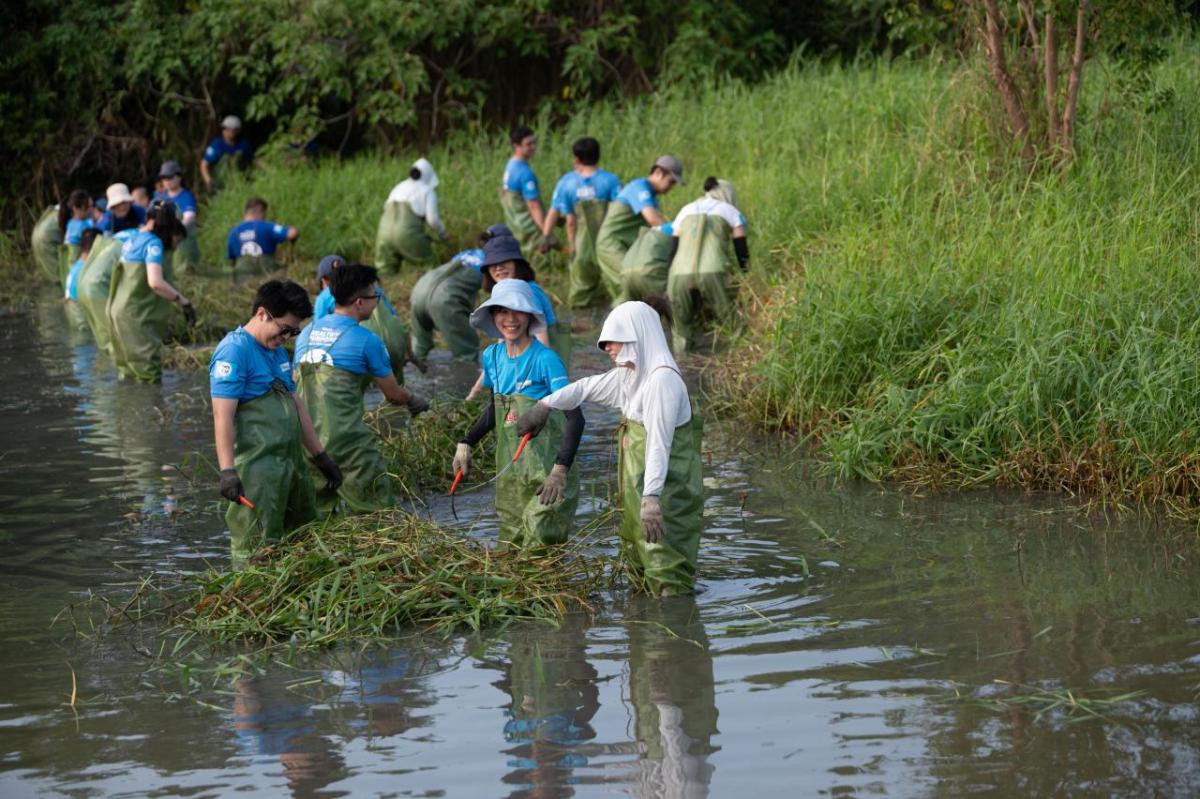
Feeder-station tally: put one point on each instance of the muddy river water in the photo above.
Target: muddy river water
(847, 640)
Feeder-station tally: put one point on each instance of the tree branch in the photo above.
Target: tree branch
(1009, 94)
(1050, 67)
(1068, 119)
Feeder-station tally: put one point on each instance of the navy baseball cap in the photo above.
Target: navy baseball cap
(328, 264)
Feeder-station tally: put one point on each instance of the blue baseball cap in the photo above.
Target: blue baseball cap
(328, 264)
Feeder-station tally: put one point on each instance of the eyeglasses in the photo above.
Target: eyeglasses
(368, 297)
(284, 330)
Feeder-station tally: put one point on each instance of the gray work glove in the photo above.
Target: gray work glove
(333, 475)
(462, 459)
(416, 404)
(533, 420)
(652, 520)
(547, 243)
(554, 487)
(231, 485)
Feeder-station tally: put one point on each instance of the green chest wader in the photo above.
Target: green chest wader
(269, 458)
(524, 520)
(92, 288)
(137, 319)
(561, 342)
(401, 237)
(68, 254)
(253, 265)
(616, 236)
(644, 268)
(222, 171)
(584, 269)
(45, 242)
(552, 684)
(442, 300)
(520, 222)
(698, 285)
(187, 254)
(390, 327)
(334, 398)
(669, 566)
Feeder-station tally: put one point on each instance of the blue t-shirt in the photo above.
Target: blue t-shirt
(341, 342)
(574, 187)
(242, 369)
(135, 218)
(324, 304)
(73, 279)
(141, 247)
(638, 194)
(184, 200)
(535, 373)
(519, 177)
(254, 237)
(218, 148)
(471, 258)
(75, 228)
(544, 304)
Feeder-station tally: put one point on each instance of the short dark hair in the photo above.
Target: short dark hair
(711, 183)
(523, 272)
(587, 150)
(519, 134)
(167, 225)
(256, 202)
(349, 281)
(87, 238)
(414, 173)
(283, 297)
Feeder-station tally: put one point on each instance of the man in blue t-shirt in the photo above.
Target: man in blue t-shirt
(229, 144)
(336, 360)
(519, 195)
(250, 246)
(261, 427)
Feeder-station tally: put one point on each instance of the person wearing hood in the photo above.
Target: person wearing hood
(537, 494)
(442, 300)
(121, 212)
(709, 238)
(337, 359)
(662, 493)
(411, 206)
(635, 207)
(170, 178)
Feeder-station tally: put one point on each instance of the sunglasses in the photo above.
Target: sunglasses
(284, 330)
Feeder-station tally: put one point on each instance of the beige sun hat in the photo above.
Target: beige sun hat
(118, 193)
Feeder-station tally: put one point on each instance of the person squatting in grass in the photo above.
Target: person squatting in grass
(537, 494)
(251, 244)
(442, 300)
(581, 198)
(412, 205)
(337, 359)
(261, 427)
(662, 493)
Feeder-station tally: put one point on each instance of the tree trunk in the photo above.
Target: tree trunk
(1051, 69)
(1068, 119)
(1009, 94)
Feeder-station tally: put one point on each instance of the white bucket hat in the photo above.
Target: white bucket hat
(515, 295)
(118, 193)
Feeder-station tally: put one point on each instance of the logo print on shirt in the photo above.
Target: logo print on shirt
(223, 369)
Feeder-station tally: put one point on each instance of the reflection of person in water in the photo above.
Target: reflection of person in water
(386, 688)
(272, 721)
(554, 697)
(674, 702)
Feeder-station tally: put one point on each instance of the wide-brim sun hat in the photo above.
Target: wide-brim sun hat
(499, 249)
(515, 295)
(118, 193)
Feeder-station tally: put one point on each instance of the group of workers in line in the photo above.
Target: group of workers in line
(269, 408)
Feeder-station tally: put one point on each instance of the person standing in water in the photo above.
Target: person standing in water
(537, 494)
(662, 492)
(519, 195)
(581, 198)
(442, 300)
(121, 212)
(636, 206)
(261, 427)
(411, 206)
(337, 360)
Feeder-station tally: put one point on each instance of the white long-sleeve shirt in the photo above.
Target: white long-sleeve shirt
(423, 200)
(664, 406)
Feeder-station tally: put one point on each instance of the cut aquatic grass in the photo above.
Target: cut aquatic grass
(1075, 705)
(418, 451)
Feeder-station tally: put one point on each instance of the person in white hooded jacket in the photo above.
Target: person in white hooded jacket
(661, 488)
(412, 205)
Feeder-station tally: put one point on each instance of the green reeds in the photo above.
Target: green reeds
(1075, 705)
(418, 451)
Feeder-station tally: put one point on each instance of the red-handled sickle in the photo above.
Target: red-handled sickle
(246, 502)
(457, 480)
(520, 447)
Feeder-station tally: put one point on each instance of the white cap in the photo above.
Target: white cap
(231, 122)
(118, 193)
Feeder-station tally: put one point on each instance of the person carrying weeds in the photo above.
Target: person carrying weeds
(140, 295)
(636, 206)
(411, 206)
(261, 427)
(519, 195)
(581, 198)
(709, 238)
(442, 300)
(662, 495)
(536, 496)
(250, 246)
(337, 360)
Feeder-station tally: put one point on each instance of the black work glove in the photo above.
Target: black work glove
(189, 313)
(231, 485)
(330, 469)
(533, 420)
(416, 404)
